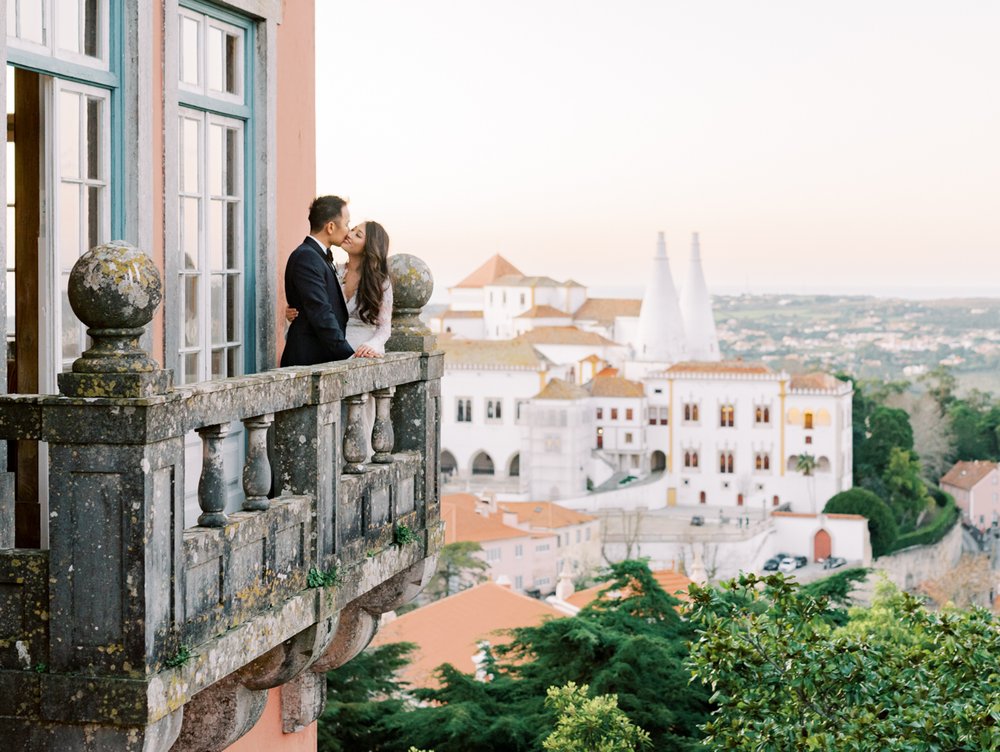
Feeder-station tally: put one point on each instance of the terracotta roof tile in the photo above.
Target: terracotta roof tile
(543, 312)
(450, 314)
(965, 475)
(557, 389)
(605, 310)
(449, 630)
(495, 267)
(722, 366)
(463, 523)
(544, 514)
(565, 335)
(814, 380)
(674, 583)
(496, 353)
(615, 386)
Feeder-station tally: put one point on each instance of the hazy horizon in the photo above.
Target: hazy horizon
(817, 146)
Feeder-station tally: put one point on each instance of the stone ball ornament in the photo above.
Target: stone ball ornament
(412, 282)
(115, 286)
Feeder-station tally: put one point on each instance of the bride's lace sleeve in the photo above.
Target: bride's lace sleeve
(383, 324)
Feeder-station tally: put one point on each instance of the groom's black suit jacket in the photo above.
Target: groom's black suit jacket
(311, 286)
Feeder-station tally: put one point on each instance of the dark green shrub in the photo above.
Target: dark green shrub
(881, 525)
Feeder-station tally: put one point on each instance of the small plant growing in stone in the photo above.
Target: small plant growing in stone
(403, 535)
(317, 578)
(41, 668)
(370, 553)
(182, 656)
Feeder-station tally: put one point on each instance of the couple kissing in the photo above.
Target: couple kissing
(337, 311)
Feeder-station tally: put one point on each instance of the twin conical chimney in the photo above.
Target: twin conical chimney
(661, 329)
(696, 308)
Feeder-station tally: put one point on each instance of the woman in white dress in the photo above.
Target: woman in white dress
(364, 279)
(367, 290)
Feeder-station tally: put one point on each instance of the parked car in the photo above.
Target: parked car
(771, 565)
(832, 562)
(697, 520)
(787, 565)
(800, 561)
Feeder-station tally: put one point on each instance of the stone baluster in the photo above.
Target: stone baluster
(257, 468)
(355, 440)
(382, 435)
(212, 483)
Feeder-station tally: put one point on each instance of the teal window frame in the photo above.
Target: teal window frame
(110, 80)
(243, 112)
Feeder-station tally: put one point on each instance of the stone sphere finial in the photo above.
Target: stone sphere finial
(115, 286)
(412, 285)
(114, 289)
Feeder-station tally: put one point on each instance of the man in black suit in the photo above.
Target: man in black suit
(311, 286)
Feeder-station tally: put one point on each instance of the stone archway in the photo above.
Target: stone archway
(822, 545)
(658, 462)
(482, 464)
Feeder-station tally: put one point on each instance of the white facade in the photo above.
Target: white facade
(734, 436)
(620, 432)
(557, 441)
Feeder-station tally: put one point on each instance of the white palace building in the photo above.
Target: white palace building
(551, 394)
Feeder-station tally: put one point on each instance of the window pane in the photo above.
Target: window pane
(93, 216)
(91, 27)
(232, 162)
(233, 364)
(189, 232)
(218, 364)
(189, 42)
(70, 241)
(190, 311)
(67, 13)
(69, 134)
(32, 25)
(216, 236)
(232, 61)
(215, 59)
(189, 155)
(95, 111)
(232, 235)
(215, 157)
(11, 24)
(191, 368)
(232, 308)
(218, 309)
(70, 326)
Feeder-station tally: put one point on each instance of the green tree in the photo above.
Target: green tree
(458, 568)
(941, 384)
(888, 428)
(882, 527)
(590, 723)
(908, 497)
(783, 680)
(633, 646)
(361, 695)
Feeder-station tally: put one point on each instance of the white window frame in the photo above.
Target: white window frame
(50, 23)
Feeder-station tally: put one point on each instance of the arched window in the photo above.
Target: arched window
(448, 463)
(482, 464)
(694, 459)
(702, 498)
(807, 419)
(727, 416)
(514, 469)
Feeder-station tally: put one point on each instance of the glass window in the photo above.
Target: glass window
(210, 56)
(74, 30)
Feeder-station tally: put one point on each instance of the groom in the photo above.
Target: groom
(312, 287)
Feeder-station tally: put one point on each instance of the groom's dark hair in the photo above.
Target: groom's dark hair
(325, 209)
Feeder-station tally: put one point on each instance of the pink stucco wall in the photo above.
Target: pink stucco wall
(267, 734)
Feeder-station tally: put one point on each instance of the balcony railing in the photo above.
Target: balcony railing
(154, 637)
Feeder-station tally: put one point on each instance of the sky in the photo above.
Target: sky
(841, 146)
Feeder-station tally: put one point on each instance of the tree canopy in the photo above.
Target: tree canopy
(783, 679)
(881, 523)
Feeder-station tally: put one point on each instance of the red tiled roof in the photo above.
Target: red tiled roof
(544, 514)
(449, 630)
(543, 312)
(463, 523)
(814, 380)
(674, 583)
(557, 389)
(615, 386)
(495, 267)
(565, 335)
(965, 475)
(606, 310)
(722, 366)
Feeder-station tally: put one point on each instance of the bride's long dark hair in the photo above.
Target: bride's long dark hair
(374, 272)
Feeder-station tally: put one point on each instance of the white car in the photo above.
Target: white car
(787, 564)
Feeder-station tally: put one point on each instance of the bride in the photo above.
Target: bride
(364, 280)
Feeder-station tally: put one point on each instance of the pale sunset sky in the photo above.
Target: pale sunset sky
(842, 146)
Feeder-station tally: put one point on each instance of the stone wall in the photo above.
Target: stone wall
(912, 566)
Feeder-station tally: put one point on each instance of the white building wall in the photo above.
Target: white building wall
(623, 437)
(556, 444)
(466, 298)
(524, 560)
(502, 303)
(613, 354)
(499, 438)
(522, 325)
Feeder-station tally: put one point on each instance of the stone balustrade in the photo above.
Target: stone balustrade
(134, 632)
